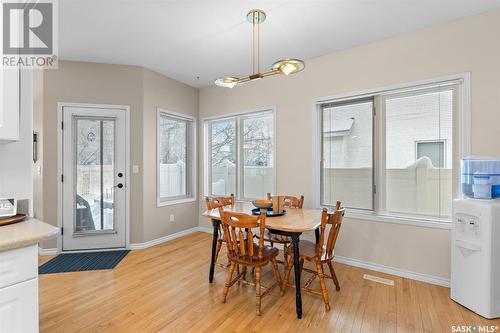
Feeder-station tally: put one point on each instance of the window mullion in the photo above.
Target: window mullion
(379, 154)
(239, 154)
(321, 153)
(208, 138)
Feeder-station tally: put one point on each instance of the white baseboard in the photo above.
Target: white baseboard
(153, 242)
(134, 246)
(394, 271)
(47, 252)
(208, 230)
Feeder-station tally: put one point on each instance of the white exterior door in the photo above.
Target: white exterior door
(94, 178)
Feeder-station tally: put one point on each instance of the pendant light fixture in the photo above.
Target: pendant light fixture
(285, 66)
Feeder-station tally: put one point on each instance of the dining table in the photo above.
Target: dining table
(292, 223)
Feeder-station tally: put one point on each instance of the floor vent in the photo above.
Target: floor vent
(378, 279)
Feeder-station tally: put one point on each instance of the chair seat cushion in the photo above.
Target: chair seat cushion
(307, 250)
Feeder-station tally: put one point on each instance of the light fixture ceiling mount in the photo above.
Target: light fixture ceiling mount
(284, 66)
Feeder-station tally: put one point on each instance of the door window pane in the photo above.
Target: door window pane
(419, 152)
(173, 157)
(223, 154)
(347, 154)
(258, 158)
(94, 174)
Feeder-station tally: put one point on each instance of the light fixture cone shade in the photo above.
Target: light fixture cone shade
(227, 82)
(289, 66)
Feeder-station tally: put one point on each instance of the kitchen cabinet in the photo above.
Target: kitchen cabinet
(19, 290)
(10, 104)
(19, 274)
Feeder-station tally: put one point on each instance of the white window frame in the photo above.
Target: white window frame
(464, 142)
(238, 117)
(191, 167)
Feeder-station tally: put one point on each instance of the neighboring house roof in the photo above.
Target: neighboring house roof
(339, 126)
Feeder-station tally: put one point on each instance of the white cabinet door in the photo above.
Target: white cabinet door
(19, 307)
(9, 105)
(18, 265)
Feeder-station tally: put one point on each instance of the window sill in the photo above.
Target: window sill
(174, 202)
(436, 223)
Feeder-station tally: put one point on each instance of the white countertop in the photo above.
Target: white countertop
(29, 232)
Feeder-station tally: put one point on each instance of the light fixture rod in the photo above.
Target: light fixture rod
(253, 44)
(256, 20)
(258, 48)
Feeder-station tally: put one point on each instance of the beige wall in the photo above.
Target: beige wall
(161, 92)
(143, 91)
(466, 45)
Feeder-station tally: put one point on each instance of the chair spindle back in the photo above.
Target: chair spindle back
(335, 221)
(290, 201)
(238, 233)
(216, 202)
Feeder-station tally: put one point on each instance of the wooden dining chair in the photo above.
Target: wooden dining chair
(242, 251)
(319, 255)
(288, 202)
(216, 202)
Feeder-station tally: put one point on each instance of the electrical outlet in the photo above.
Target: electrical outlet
(172, 217)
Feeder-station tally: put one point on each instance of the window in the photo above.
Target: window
(176, 158)
(240, 155)
(347, 168)
(223, 154)
(397, 161)
(433, 150)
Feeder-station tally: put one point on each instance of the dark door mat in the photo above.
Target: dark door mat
(89, 261)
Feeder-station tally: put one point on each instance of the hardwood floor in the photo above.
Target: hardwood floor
(159, 289)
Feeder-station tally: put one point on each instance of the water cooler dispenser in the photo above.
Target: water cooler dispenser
(475, 262)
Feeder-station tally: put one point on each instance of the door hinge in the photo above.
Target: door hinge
(374, 189)
(374, 111)
(62, 125)
(62, 178)
(62, 231)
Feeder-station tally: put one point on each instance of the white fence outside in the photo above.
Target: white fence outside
(422, 190)
(258, 181)
(172, 180)
(224, 179)
(88, 187)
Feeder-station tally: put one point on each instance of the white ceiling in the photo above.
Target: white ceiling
(208, 39)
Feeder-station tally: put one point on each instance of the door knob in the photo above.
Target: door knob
(119, 185)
